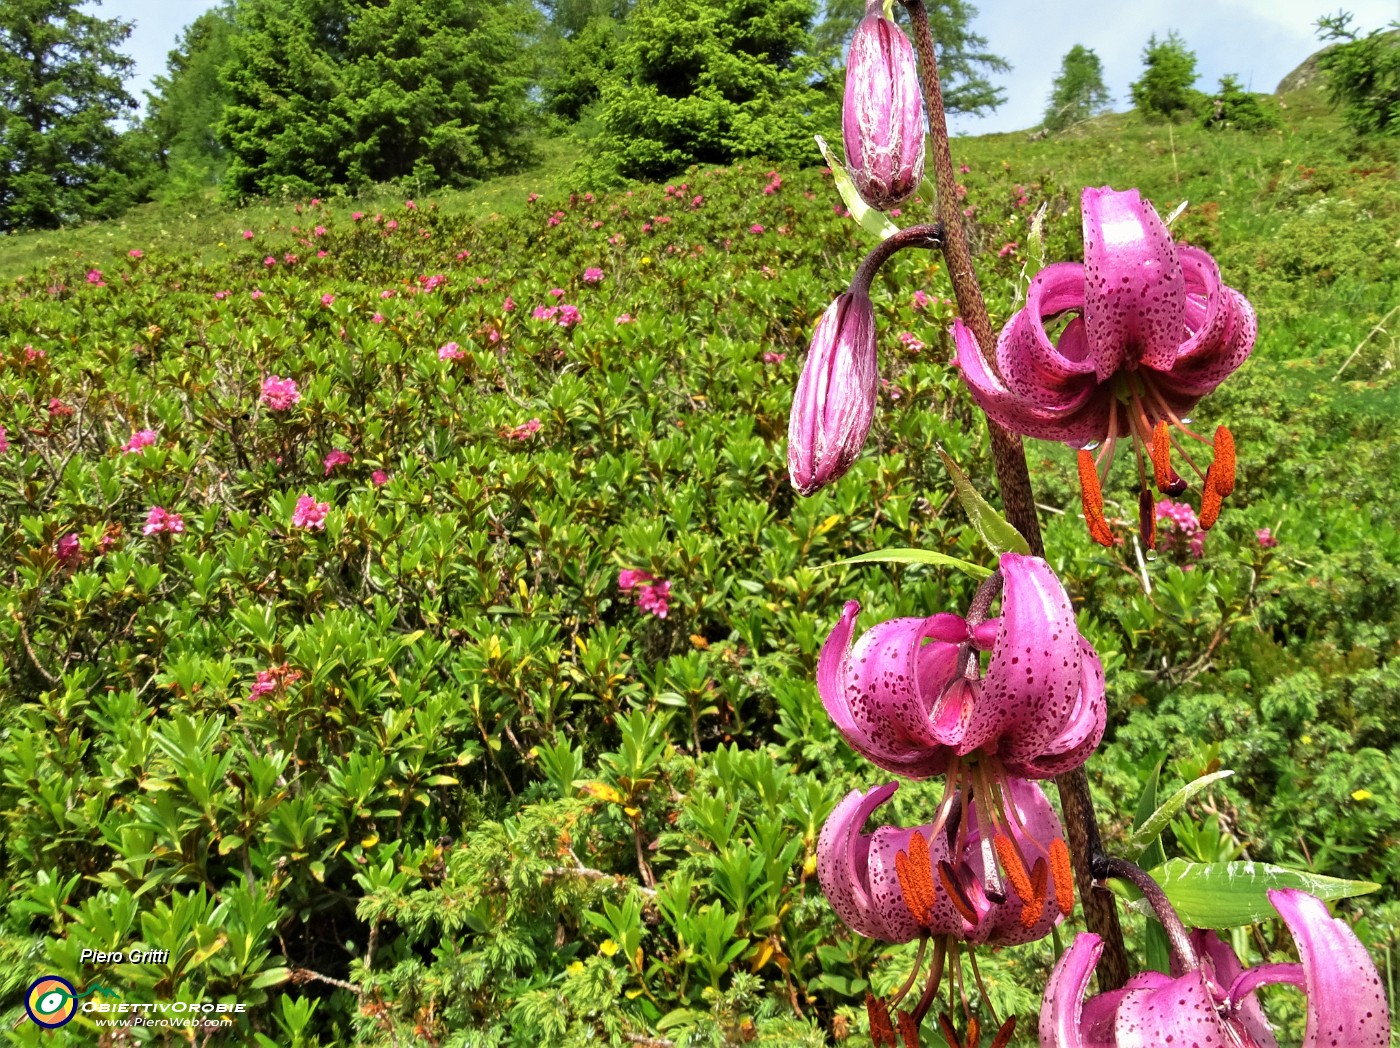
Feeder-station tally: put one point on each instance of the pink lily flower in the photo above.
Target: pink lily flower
(835, 400)
(922, 709)
(1151, 330)
(1212, 1001)
(942, 879)
(882, 120)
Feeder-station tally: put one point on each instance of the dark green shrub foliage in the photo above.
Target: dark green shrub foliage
(61, 160)
(1363, 74)
(1235, 109)
(707, 81)
(1079, 91)
(1165, 87)
(348, 92)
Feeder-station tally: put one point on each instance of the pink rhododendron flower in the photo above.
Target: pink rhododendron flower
(255, 294)
(378, 318)
(355, 216)
(629, 578)
(774, 358)
(392, 224)
(1264, 536)
(59, 409)
(921, 299)
(310, 513)
(524, 431)
(279, 394)
(379, 478)
(4, 441)
(247, 234)
(755, 228)
(320, 231)
(290, 259)
(545, 312)
(450, 351)
(1007, 248)
(568, 316)
(68, 550)
(625, 318)
(911, 341)
(141, 438)
(654, 598)
(592, 275)
(334, 458)
(135, 252)
(269, 262)
(1151, 330)
(219, 296)
(327, 299)
(31, 354)
(556, 292)
(532, 198)
(161, 521)
(1182, 532)
(410, 205)
(273, 679)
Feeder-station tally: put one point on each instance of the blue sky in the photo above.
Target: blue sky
(1258, 40)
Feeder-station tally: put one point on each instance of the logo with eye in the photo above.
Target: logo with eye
(51, 1002)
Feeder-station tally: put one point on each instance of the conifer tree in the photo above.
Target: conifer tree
(1078, 92)
(61, 88)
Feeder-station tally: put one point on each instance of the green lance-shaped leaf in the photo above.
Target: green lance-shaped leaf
(914, 556)
(1233, 894)
(1150, 829)
(991, 525)
(872, 221)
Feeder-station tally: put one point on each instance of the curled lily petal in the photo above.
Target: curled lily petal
(873, 694)
(1077, 427)
(1135, 293)
(1061, 1012)
(1033, 681)
(843, 865)
(1346, 998)
(1083, 731)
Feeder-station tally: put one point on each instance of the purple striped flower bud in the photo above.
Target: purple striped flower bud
(835, 399)
(882, 121)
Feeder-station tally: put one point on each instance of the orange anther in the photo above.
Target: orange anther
(908, 1030)
(881, 1032)
(1224, 465)
(1211, 499)
(1093, 500)
(1032, 908)
(1012, 865)
(1004, 1035)
(1062, 875)
(914, 869)
(949, 1031)
(974, 1033)
(1161, 456)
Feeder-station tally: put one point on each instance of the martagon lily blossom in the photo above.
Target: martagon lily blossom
(1210, 1002)
(912, 697)
(1151, 329)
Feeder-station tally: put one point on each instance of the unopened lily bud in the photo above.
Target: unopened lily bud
(882, 121)
(835, 399)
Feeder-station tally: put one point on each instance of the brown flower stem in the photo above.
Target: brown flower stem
(927, 236)
(1183, 953)
(1017, 495)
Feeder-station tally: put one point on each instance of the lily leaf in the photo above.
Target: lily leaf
(1145, 834)
(872, 221)
(1233, 894)
(915, 556)
(991, 525)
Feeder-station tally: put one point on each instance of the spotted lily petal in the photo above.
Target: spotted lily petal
(1346, 998)
(1134, 289)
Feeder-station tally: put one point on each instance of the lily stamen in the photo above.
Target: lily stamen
(1092, 498)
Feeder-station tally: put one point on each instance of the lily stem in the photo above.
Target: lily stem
(1182, 950)
(1017, 495)
(927, 236)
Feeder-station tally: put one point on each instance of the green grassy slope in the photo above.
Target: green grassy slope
(427, 774)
